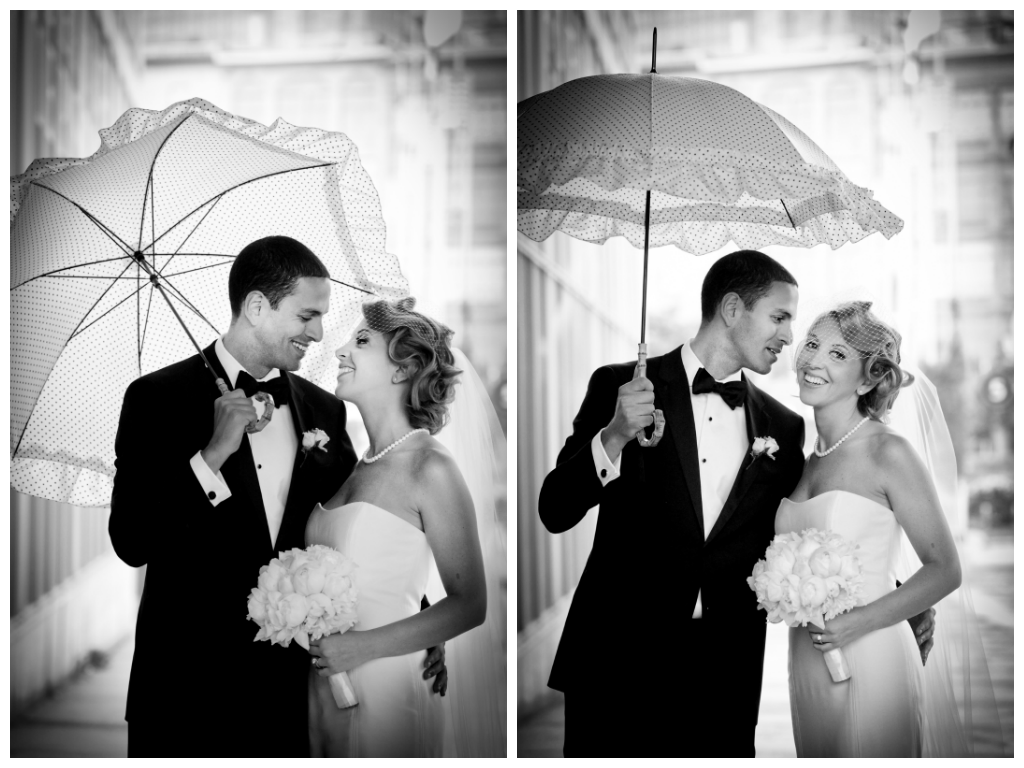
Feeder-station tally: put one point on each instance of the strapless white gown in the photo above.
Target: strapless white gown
(398, 714)
(877, 712)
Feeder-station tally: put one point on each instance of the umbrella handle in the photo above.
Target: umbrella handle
(659, 418)
(262, 397)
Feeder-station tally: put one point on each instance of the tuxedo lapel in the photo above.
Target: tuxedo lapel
(240, 470)
(758, 424)
(672, 395)
(302, 418)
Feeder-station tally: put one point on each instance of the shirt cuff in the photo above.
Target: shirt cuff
(606, 469)
(214, 487)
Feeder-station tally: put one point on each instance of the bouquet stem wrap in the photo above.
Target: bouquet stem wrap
(341, 688)
(837, 665)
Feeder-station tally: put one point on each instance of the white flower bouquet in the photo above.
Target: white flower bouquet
(306, 594)
(809, 578)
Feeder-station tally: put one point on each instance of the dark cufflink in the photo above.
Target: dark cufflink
(212, 495)
(604, 473)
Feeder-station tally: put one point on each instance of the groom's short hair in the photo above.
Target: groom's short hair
(272, 266)
(749, 274)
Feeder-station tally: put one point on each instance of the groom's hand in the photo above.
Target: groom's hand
(924, 632)
(232, 413)
(436, 668)
(634, 410)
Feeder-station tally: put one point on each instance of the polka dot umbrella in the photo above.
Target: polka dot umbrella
(120, 262)
(679, 161)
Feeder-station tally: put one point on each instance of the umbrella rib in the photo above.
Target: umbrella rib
(181, 297)
(178, 251)
(353, 287)
(102, 227)
(221, 255)
(149, 179)
(787, 212)
(79, 329)
(55, 272)
(231, 189)
(78, 277)
(196, 269)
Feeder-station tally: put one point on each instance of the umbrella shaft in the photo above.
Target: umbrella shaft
(647, 232)
(220, 383)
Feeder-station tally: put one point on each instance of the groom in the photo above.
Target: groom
(680, 528)
(204, 505)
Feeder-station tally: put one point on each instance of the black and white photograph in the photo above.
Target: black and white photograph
(258, 383)
(764, 383)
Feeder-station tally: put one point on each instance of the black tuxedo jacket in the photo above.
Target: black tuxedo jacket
(650, 556)
(199, 681)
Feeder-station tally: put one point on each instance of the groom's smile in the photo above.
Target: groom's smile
(286, 331)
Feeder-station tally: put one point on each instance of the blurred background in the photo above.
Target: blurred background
(916, 106)
(423, 96)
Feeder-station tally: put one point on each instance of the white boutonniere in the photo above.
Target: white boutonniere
(313, 440)
(763, 446)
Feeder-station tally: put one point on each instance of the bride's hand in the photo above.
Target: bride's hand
(340, 652)
(840, 631)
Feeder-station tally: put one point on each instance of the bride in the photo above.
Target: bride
(405, 507)
(867, 482)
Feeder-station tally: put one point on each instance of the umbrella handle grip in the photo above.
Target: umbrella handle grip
(263, 397)
(659, 417)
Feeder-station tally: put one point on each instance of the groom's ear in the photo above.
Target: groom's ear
(255, 306)
(729, 308)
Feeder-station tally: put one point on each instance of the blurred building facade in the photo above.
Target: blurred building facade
(72, 73)
(578, 308)
(422, 95)
(918, 108)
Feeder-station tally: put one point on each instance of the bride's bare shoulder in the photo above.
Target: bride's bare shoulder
(893, 455)
(434, 465)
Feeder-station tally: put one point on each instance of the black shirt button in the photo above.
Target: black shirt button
(212, 495)
(711, 418)
(703, 461)
(604, 473)
(259, 466)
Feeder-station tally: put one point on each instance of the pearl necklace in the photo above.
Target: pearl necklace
(368, 459)
(823, 454)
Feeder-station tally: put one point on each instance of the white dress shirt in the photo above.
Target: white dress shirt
(273, 453)
(722, 443)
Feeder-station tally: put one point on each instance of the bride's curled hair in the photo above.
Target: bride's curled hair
(878, 346)
(421, 347)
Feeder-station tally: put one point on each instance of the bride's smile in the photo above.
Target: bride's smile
(364, 367)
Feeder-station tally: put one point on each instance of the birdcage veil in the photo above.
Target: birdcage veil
(385, 316)
(852, 330)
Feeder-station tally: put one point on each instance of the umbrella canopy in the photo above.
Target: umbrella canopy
(720, 168)
(164, 206)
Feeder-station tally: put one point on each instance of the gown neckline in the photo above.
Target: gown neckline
(370, 504)
(848, 493)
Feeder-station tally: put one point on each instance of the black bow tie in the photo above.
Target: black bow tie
(277, 387)
(732, 392)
